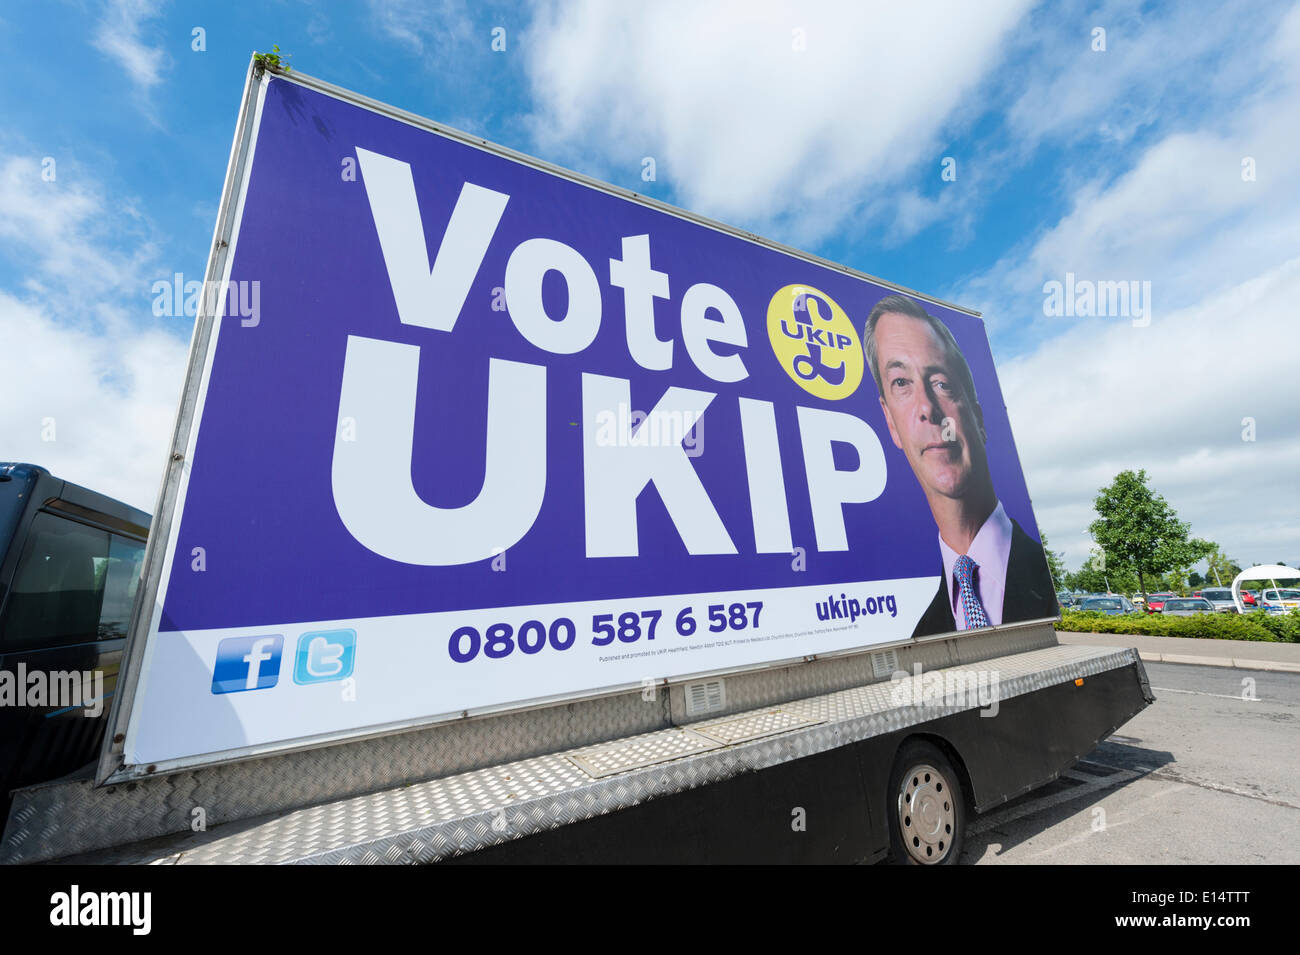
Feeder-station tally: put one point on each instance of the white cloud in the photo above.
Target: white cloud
(1182, 219)
(1154, 60)
(1223, 256)
(318, 28)
(85, 362)
(1172, 399)
(73, 248)
(119, 36)
(415, 26)
(743, 123)
(1181, 216)
(107, 400)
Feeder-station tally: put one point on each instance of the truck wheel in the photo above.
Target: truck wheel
(927, 807)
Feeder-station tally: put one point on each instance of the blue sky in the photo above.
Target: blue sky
(823, 126)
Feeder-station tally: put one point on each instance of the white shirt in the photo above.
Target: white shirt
(991, 550)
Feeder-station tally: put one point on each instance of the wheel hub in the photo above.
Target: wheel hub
(927, 816)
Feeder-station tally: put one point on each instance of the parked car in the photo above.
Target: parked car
(1221, 597)
(1111, 606)
(1283, 600)
(1250, 598)
(1187, 606)
(1156, 602)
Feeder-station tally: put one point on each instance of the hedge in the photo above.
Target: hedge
(1256, 625)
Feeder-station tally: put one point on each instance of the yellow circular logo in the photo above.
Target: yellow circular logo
(815, 342)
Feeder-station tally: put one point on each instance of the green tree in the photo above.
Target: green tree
(1055, 564)
(1138, 531)
(1087, 578)
(1095, 578)
(1220, 569)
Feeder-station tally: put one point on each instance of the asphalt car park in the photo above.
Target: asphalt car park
(1205, 775)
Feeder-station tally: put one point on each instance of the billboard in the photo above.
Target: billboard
(471, 433)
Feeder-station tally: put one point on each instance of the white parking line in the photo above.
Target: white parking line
(1088, 786)
(1222, 696)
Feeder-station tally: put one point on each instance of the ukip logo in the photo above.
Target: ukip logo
(815, 342)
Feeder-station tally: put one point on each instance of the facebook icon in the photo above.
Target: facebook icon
(240, 663)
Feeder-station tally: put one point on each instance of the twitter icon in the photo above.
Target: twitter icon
(325, 655)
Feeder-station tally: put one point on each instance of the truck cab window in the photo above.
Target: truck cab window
(74, 584)
(11, 508)
(121, 576)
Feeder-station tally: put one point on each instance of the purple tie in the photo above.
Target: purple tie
(971, 608)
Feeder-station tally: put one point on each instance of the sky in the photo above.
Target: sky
(974, 152)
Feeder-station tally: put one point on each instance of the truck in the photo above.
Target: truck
(70, 561)
(510, 515)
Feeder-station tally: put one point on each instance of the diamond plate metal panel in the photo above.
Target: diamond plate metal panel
(66, 816)
(437, 819)
(768, 687)
(60, 818)
(624, 754)
(743, 728)
(999, 643)
(428, 821)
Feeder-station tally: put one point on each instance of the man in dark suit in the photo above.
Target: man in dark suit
(992, 571)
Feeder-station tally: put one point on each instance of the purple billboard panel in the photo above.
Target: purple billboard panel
(494, 435)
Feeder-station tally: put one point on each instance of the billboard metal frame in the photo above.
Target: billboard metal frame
(112, 766)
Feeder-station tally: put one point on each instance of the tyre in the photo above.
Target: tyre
(926, 806)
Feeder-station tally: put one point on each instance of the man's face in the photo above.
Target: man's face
(936, 424)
